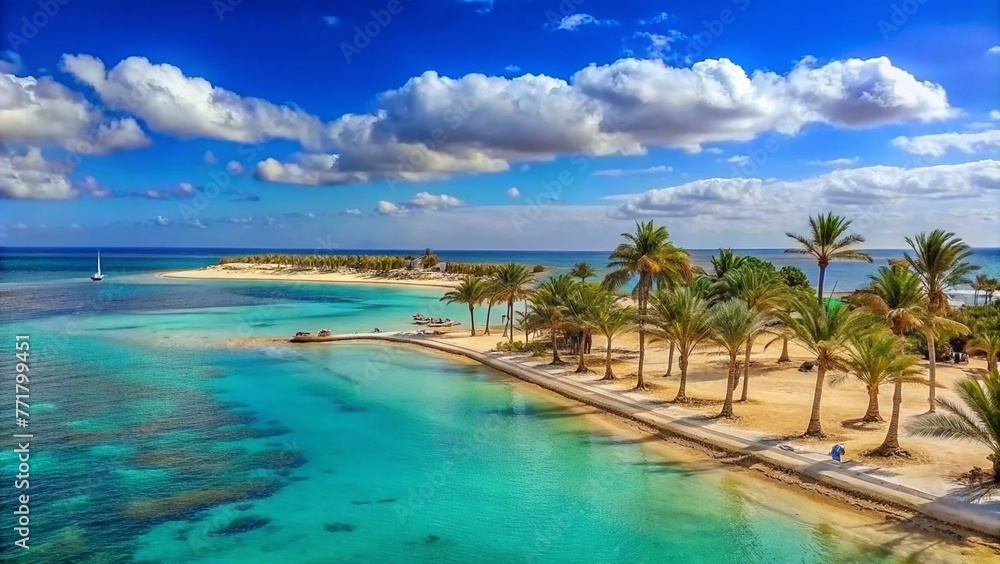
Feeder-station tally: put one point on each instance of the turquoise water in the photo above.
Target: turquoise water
(169, 428)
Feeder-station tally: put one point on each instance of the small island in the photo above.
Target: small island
(409, 270)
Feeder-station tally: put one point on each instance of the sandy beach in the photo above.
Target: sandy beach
(780, 398)
(246, 271)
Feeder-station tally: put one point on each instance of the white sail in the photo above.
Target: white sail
(97, 276)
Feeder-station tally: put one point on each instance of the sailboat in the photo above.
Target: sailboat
(97, 276)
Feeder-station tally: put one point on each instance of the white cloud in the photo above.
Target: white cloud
(435, 126)
(91, 186)
(661, 45)
(938, 144)
(421, 201)
(161, 221)
(478, 123)
(739, 159)
(995, 50)
(713, 151)
(197, 224)
(631, 171)
(171, 102)
(428, 201)
(331, 20)
(512, 68)
(40, 111)
(858, 188)
(235, 168)
(843, 161)
(388, 208)
(352, 211)
(30, 176)
(574, 21)
(513, 192)
(994, 114)
(662, 17)
(210, 158)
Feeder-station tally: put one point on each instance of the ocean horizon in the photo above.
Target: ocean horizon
(842, 276)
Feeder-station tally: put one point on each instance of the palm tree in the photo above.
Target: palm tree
(987, 342)
(763, 292)
(583, 271)
(875, 360)
(992, 285)
(548, 308)
(594, 308)
(650, 255)
(511, 281)
(470, 291)
(490, 297)
(683, 316)
(979, 284)
(897, 295)
(826, 333)
(732, 323)
(829, 241)
(726, 261)
(939, 263)
(905, 368)
(977, 421)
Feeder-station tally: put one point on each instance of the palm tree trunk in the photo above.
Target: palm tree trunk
(510, 320)
(582, 366)
(746, 370)
(819, 286)
(640, 384)
(489, 309)
(608, 373)
(526, 337)
(670, 361)
(872, 413)
(891, 443)
(682, 362)
(815, 428)
(784, 351)
(472, 318)
(932, 372)
(555, 349)
(727, 407)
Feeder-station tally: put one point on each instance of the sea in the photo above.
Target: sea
(167, 425)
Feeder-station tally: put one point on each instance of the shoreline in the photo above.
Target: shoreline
(858, 490)
(856, 519)
(290, 274)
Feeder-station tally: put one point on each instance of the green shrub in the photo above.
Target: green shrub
(538, 268)
(534, 347)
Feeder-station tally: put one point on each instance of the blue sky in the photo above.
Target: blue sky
(506, 124)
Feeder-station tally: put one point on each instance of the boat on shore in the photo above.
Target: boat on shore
(306, 337)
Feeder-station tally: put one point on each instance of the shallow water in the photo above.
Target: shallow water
(159, 439)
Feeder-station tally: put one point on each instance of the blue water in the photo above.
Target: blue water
(79, 262)
(170, 426)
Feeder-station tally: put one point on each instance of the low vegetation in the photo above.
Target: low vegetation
(376, 263)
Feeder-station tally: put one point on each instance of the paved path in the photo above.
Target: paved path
(873, 482)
